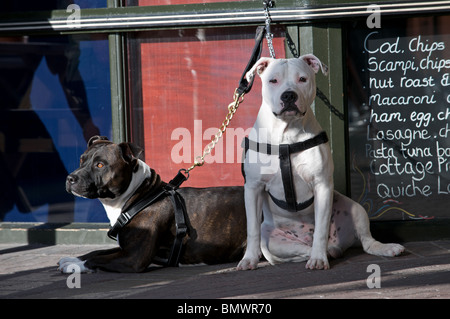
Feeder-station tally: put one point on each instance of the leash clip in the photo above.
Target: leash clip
(180, 178)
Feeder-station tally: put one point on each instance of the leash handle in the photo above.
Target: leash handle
(244, 85)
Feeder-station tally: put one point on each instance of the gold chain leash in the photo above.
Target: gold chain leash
(232, 108)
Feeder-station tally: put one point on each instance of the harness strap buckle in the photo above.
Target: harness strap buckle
(123, 219)
(182, 227)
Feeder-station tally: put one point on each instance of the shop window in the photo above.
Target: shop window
(55, 94)
(181, 82)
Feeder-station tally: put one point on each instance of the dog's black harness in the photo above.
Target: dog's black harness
(284, 151)
(170, 190)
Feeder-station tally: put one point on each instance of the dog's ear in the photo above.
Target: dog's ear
(315, 63)
(259, 68)
(131, 152)
(95, 139)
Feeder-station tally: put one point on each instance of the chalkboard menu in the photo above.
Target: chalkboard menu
(399, 117)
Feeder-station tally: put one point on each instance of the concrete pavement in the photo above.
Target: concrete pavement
(29, 271)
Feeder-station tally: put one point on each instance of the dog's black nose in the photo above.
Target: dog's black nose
(289, 97)
(71, 179)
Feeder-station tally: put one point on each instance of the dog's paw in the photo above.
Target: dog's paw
(69, 265)
(318, 261)
(395, 249)
(66, 260)
(247, 264)
(386, 250)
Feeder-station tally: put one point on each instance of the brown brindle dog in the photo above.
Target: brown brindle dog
(114, 174)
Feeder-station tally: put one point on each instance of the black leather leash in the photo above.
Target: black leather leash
(284, 152)
(244, 85)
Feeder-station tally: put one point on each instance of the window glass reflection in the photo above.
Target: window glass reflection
(55, 95)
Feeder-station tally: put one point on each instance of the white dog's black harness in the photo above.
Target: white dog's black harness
(284, 151)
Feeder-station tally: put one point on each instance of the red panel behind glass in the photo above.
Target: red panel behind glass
(187, 85)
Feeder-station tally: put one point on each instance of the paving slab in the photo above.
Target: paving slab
(423, 271)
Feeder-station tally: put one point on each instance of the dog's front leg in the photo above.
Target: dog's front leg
(253, 211)
(65, 264)
(323, 202)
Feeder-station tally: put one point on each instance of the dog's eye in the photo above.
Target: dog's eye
(100, 165)
(302, 79)
(273, 81)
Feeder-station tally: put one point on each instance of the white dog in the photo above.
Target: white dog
(304, 218)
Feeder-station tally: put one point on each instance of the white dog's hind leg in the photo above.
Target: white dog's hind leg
(370, 245)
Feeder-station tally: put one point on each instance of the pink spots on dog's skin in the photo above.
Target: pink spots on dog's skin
(340, 227)
(302, 233)
(332, 235)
